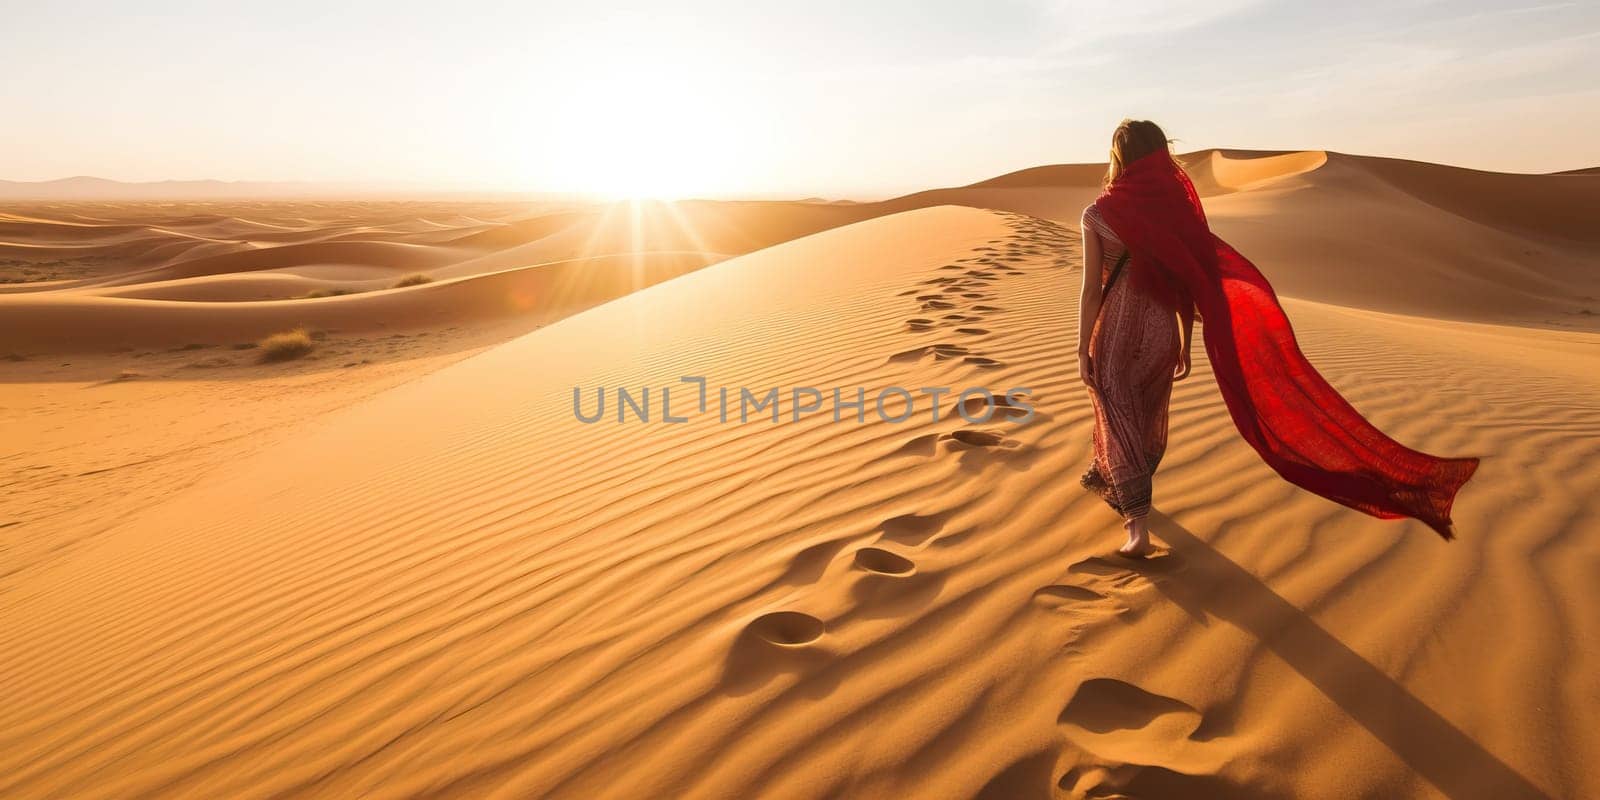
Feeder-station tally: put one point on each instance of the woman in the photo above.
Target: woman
(1151, 266)
(1138, 327)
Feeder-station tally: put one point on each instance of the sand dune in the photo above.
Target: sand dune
(1371, 233)
(942, 617)
(1376, 233)
(1216, 172)
(195, 312)
(75, 270)
(397, 256)
(1355, 231)
(427, 577)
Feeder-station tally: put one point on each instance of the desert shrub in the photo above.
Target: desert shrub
(416, 279)
(286, 345)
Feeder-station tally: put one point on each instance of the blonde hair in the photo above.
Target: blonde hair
(1133, 139)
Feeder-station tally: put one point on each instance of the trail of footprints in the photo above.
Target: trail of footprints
(962, 297)
(1117, 723)
(888, 583)
(960, 300)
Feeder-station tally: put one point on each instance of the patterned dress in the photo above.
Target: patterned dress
(1133, 351)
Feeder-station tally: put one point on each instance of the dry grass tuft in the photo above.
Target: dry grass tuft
(286, 346)
(413, 280)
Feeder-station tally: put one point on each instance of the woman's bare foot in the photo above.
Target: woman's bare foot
(1138, 544)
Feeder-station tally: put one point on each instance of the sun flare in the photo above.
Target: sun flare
(638, 132)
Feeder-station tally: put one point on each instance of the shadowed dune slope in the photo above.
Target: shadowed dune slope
(1555, 206)
(1425, 240)
(458, 589)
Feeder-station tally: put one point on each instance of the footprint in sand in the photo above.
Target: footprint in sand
(985, 308)
(883, 562)
(978, 438)
(773, 644)
(924, 445)
(941, 352)
(1100, 567)
(913, 529)
(1122, 570)
(984, 363)
(1064, 596)
(1122, 781)
(1119, 721)
(931, 305)
(787, 628)
(973, 331)
(890, 585)
(809, 564)
(998, 407)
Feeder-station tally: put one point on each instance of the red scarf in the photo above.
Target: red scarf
(1288, 412)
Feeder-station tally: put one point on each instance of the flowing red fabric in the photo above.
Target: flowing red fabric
(1281, 405)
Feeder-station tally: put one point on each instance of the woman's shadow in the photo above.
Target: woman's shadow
(1210, 584)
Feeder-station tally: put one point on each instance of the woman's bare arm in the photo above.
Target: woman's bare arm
(1186, 315)
(1088, 300)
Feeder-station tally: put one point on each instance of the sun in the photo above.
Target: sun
(642, 131)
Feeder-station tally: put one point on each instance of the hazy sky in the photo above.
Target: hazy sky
(816, 97)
